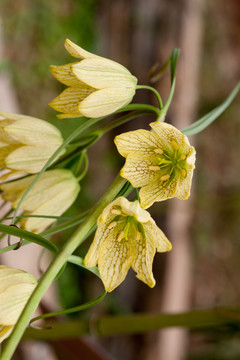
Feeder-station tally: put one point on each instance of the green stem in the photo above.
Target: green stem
(168, 102)
(154, 91)
(56, 265)
(85, 167)
(140, 107)
(120, 121)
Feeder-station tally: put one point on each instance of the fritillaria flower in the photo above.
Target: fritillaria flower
(96, 86)
(16, 286)
(26, 143)
(126, 237)
(52, 195)
(160, 161)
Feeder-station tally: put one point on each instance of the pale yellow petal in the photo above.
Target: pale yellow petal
(103, 73)
(4, 137)
(52, 183)
(5, 331)
(68, 101)
(157, 237)
(15, 288)
(184, 185)
(158, 190)
(69, 115)
(191, 158)
(12, 302)
(34, 131)
(166, 133)
(63, 73)
(115, 258)
(76, 51)
(138, 170)
(106, 101)
(56, 204)
(14, 190)
(12, 174)
(101, 233)
(10, 277)
(142, 264)
(139, 142)
(4, 152)
(133, 209)
(30, 159)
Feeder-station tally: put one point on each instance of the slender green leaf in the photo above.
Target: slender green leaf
(85, 306)
(23, 234)
(207, 119)
(173, 67)
(77, 260)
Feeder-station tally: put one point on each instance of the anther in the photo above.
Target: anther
(182, 157)
(112, 225)
(154, 168)
(138, 236)
(183, 173)
(174, 144)
(165, 177)
(158, 151)
(116, 211)
(120, 236)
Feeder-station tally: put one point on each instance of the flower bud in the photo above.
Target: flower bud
(52, 195)
(97, 86)
(16, 286)
(26, 143)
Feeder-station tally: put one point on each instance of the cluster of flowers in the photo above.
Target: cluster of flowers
(160, 162)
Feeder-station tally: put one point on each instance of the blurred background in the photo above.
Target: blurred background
(202, 271)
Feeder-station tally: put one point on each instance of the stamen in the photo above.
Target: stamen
(183, 173)
(116, 211)
(183, 157)
(165, 177)
(174, 144)
(158, 151)
(112, 225)
(154, 168)
(120, 236)
(138, 236)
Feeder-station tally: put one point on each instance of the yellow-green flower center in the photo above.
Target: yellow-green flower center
(171, 162)
(127, 227)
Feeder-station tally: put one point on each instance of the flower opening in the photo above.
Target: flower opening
(161, 162)
(126, 237)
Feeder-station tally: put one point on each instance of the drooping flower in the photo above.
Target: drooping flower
(52, 195)
(26, 143)
(97, 86)
(161, 162)
(126, 237)
(16, 286)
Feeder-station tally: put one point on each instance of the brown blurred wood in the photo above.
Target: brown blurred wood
(171, 344)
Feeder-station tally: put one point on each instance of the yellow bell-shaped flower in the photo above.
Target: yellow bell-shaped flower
(26, 143)
(97, 86)
(126, 237)
(16, 286)
(52, 195)
(160, 161)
